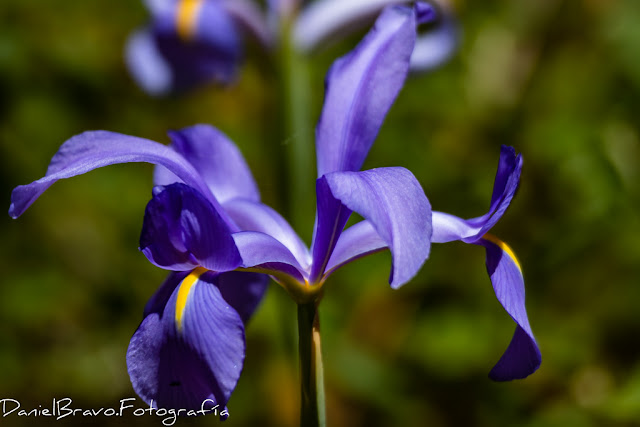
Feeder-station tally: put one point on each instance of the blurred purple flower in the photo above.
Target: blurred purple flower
(206, 224)
(190, 42)
(522, 357)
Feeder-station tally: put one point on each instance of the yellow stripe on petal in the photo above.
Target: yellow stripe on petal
(183, 293)
(505, 248)
(187, 17)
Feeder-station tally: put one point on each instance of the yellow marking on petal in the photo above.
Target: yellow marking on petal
(183, 293)
(505, 248)
(186, 18)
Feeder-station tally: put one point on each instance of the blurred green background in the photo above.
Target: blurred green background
(559, 80)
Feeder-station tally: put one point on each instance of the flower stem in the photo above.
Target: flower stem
(312, 405)
(299, 131)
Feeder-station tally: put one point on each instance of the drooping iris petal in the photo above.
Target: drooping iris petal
(182, 230)
(197, 42)
(189, 349)
(448, 227)
(254, 216)
(216, 158)
(356, 241)
(360, 89)
(243, 291)
(522, 357)
(160, 297)
(395, 204)
(261, 252)
(90, 150)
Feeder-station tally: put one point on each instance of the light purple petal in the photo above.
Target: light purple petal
(437, 45)
(331, 218)
(504, 188)
(250, 18)
(395, 204)
(243, 291)
(253, 216)
(195, 45)
(283, 9)
(507, 177)
(355, 242)
(147, 65)
(184, 353)
(324, 20)
(522, 357)
(182, 230)
(216, 158)
(360, 89)
(158, 6)
(261, 252)
(160, 297)
(90, 150)
(448, 227)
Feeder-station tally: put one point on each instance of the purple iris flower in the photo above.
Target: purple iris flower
(522, 357)
(190, 42)
(206, 224)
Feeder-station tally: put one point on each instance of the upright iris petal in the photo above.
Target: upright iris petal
(522, 357)
(217, 160)
(360, 89)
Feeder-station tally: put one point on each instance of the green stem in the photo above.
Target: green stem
(312, 406)
(299, 132)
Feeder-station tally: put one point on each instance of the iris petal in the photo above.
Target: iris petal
(504, 188)
(253, 216)
(147, 65)
(327, 19)
(243, 291)
(522, 357)
(248, 17)
(395, 204)
(261, 252)
(447, 228)
(182, 230)
(180, 367)
(331, 218)
(91, 150)
(438, 44)
(355, 242)
(360, 89)
(195, 41)
(216, 158)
